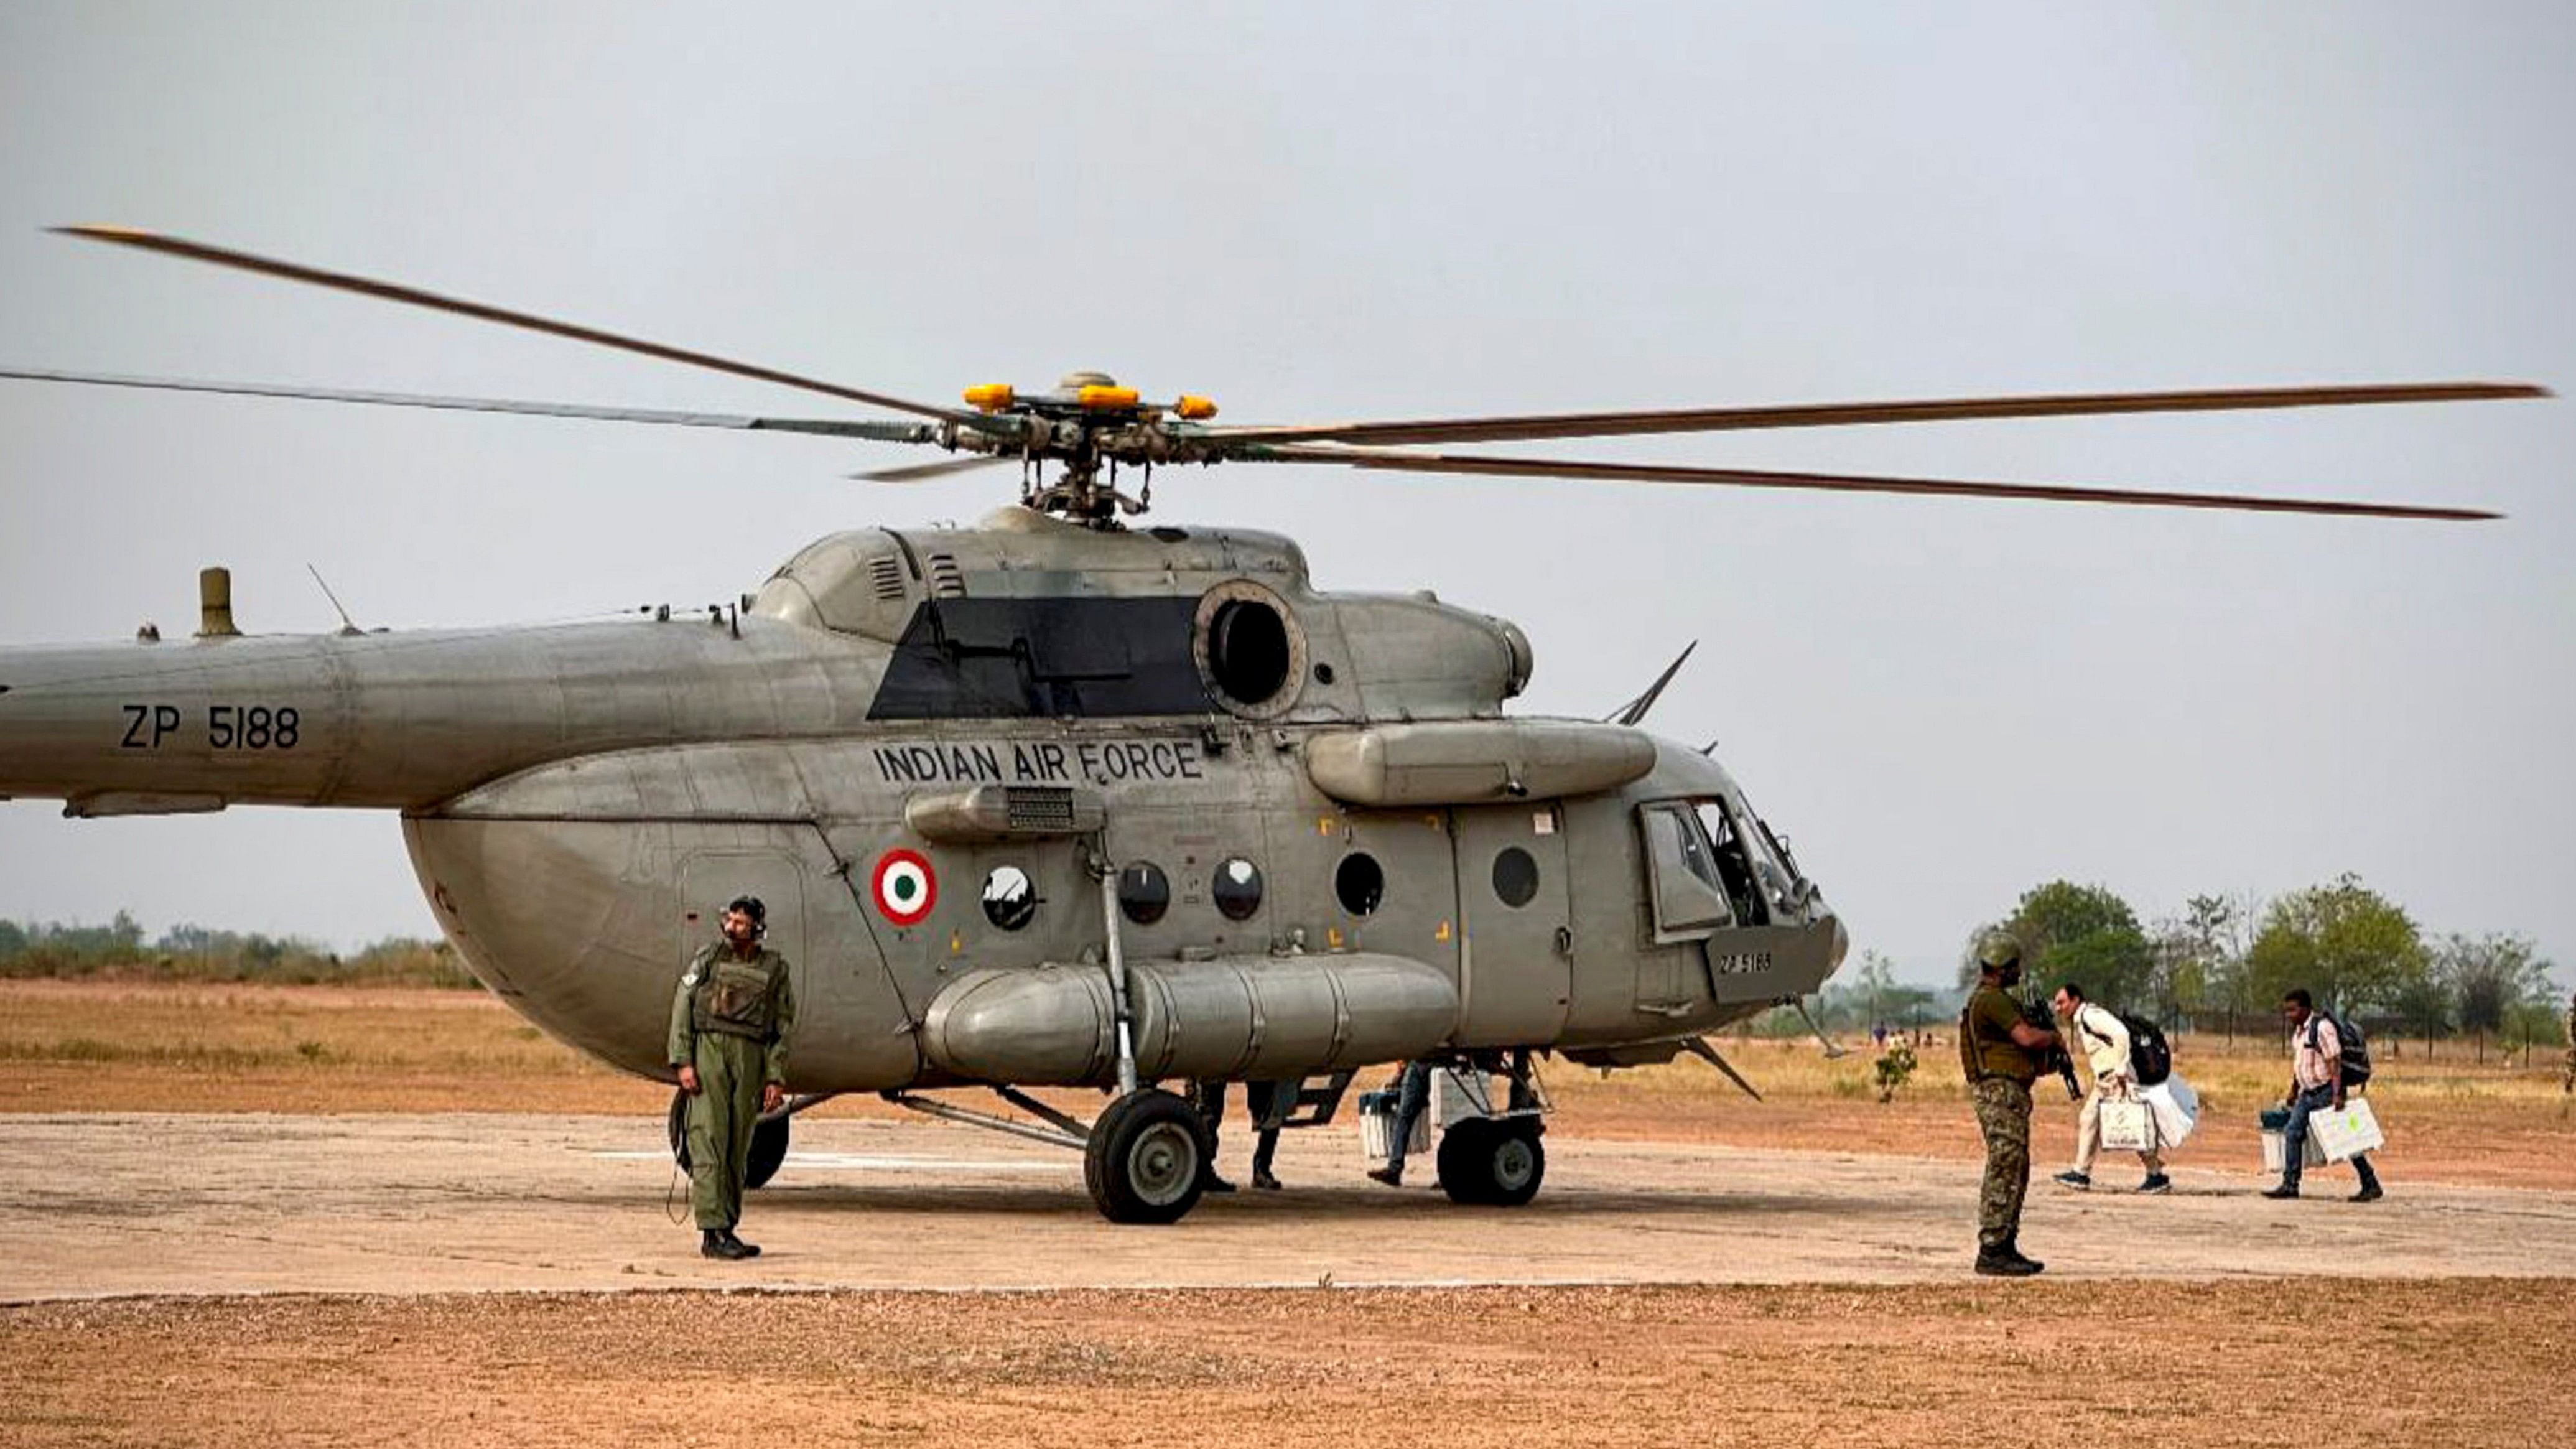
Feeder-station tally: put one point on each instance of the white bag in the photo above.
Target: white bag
(2176, 1107)
(2128, 1126)
(2343, 1134)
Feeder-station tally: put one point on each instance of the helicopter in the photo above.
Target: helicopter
(1060, 800)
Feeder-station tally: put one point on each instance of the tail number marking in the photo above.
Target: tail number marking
(228, 726)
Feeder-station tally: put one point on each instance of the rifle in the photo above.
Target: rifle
(2053, 1059)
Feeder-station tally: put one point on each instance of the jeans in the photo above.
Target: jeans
(1411, 1098)
(2294, 1144)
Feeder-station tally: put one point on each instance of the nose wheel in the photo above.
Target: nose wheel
(1146, 1160)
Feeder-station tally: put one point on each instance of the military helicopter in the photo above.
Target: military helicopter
(1059, 800)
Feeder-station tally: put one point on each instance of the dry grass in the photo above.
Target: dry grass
(95, 1046)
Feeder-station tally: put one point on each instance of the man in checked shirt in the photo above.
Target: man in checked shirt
(2316, 1083)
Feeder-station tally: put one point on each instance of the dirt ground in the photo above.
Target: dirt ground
(232, 1215)
(2413, 1363)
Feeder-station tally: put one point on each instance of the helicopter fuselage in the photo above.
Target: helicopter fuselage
(953, 763)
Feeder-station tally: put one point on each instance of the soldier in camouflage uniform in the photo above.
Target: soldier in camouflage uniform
(730, 1021)
(2001, 1052)
(2567, 1081)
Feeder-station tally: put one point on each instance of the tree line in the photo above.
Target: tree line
(122, 949)
(2224, 962)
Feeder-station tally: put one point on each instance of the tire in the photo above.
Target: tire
(768, 1143)
(768, 1149)
(1492, 1163)
(1147, 1158)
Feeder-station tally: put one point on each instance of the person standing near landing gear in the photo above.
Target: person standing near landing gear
(1413, 1095)
(2002, 1054)
(730, 1021)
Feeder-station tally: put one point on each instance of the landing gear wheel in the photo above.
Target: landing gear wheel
(768, 1143)
(1146, 1159)
(768, 1149)
(1489, 1163)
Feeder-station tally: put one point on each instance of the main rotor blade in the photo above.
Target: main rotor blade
(394, 292)
(1828, 415)
(924, 472)
(873, 430)
(1842, 483)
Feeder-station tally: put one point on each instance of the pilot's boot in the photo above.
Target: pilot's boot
(741, 1249)
(1392, 1174)
(718, 1243)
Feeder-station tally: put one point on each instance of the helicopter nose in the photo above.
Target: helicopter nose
(1841, 947)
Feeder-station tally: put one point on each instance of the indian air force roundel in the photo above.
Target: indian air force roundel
(904, 886)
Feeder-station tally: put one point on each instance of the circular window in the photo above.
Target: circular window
(1237, 888)
(1360, 882)
(1009, 899)
(1515, 877)
(1144, 892)
(1250, 654)
(1248, 649)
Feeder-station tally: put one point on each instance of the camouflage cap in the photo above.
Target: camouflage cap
(1998, 949)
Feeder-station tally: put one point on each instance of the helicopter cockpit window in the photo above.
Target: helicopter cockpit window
(1009, 899)
(1735, 872)
(1690, 904)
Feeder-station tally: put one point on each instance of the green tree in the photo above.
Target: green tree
(2346, 943)
(2489, 978)
(2085, 934)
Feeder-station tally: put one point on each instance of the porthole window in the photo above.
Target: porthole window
(1010, 900)
(1237, 888)
(1360, 883)
(1250, 653)
(1515, 877)
(1248, 649)
(1144, 892)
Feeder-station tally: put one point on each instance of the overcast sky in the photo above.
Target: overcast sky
(1324, 211)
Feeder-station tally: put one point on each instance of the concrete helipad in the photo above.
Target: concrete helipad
(224, 1204)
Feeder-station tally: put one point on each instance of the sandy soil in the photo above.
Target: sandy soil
(2050, 1363)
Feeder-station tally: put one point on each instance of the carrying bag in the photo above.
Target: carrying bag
(2343, 1132)
(2128, 1125)
(2150, 1056)
(2356, 1050)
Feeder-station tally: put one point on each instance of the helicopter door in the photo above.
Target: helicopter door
(1690, 906)
(1515, 955)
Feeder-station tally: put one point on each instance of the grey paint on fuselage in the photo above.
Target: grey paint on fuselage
(578, 799)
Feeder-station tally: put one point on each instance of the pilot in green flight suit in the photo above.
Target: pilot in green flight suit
(730, 1022)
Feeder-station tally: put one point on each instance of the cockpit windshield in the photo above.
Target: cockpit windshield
(1756, 873)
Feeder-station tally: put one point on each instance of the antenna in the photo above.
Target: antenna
(347, 624)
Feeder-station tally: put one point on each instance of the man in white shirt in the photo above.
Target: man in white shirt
(2098, 1034)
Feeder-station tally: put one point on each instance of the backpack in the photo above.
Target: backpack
(2150, 1057)
(2356, 1051)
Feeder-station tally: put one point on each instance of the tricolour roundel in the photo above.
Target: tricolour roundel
(905, 888)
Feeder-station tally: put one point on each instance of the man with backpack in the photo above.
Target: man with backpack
(2106, 1043)
(2325, 1061)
